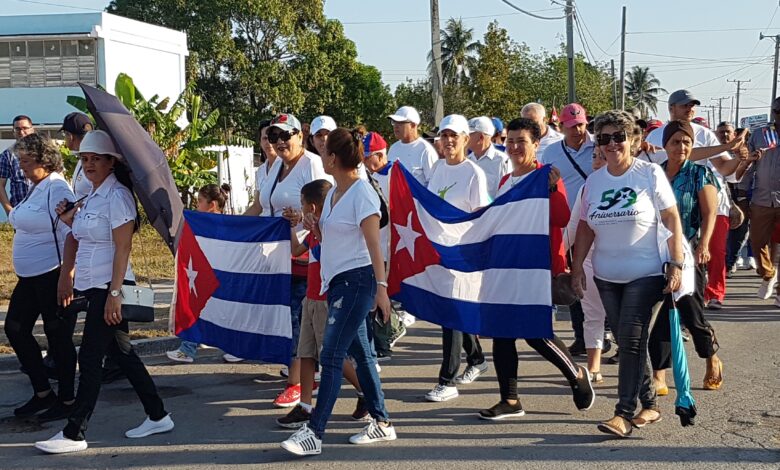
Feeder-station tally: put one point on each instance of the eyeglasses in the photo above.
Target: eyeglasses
(274, 137)
(617, 137)
(22, 129)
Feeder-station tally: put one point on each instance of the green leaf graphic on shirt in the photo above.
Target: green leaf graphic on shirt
(612, 197)
(443, 191)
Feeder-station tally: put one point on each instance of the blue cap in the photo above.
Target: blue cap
(498, 124)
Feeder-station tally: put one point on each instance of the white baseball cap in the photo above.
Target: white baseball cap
(98, 142)
(455, 123)
(406, 114)
(322, 122)
(482, 124)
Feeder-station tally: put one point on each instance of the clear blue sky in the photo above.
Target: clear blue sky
(711, 44)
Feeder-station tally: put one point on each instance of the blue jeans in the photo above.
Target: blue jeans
(350, 297)
(189, 348)
(297, 294)
(630, 309)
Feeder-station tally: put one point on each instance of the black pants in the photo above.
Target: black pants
(506, 362)
(738, 236)
(691, 309)
(32, 297)
(452, 342)
(100, 339)
(577, 321)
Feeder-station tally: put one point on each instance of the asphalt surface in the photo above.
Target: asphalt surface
(224, 416)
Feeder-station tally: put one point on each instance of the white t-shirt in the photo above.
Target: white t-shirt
(80, 184)
(34, 251)
(702, 137)
(463, 185)
(105, 209)
(555, 155)
(287, 193)
(621, 210)
(495, 164)
(343, 244)
(383, 178)
(418, 157)
(551, 137)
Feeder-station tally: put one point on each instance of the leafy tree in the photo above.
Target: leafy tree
(418, 94)
(642, 90)
(458, 52)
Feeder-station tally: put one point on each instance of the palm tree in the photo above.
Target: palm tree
(458, 52)
(642, 90)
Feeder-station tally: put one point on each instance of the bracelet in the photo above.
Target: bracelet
(676, 264)
(382, 283)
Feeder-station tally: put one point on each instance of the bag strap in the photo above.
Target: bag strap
(273, 187)
(384, 216)
(573, 163)
(53, 222)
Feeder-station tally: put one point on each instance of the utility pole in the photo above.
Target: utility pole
(720, 107)
(623, 62)
(774, 74)
(739, 85)
(614, 84)
(570, 48)
(436, 80)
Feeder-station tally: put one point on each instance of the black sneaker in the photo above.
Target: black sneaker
(384, 356)
(614, 359)
(296, 418)
(57, 412)
(502, 410)
(577, 348)
(582, 391)
(361, 412)
(398, 335)
(36, 404)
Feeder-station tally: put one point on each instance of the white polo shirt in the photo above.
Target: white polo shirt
(495, 164)
(555, 155)
(417, 157)
(702, 137)
(34, 250)
(548, 139)
(106, 208)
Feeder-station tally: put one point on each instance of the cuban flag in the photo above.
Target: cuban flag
(486, 272)
(770, 137)
(233, 285)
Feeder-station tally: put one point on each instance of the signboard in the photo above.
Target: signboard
(752, 122)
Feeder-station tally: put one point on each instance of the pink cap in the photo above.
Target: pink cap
(573, 114)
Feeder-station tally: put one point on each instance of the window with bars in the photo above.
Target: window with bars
(47, 62)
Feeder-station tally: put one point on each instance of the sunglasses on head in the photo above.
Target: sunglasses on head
(285, 136)
(605, 139)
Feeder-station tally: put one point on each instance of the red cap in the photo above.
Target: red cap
(573, 114)
(653, 124)
(373, 142)
(701, 121)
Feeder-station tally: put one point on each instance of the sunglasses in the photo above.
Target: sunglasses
(617, 137)
(273, 137)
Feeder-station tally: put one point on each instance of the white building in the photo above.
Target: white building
(42, 57)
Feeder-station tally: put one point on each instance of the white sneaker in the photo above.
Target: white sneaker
(284, 371)
(471, 373)
(59, 444)
(733, 269)
(303, 442)
(149, 427)
(374, 432)
(739, 264)
(767, 287)
(442, 393)
(752, 263)
(178, 356)
(408, 319)
(231, 358)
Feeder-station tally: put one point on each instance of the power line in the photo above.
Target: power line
(58, 5)
(682, 31)
(532, 14)
(578, 16)
(426, 20)
(724, 60)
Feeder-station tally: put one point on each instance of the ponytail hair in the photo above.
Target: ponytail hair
(122, 173)
(215, 193)
(347, 146)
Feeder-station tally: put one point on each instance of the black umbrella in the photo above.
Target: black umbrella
(149, 170)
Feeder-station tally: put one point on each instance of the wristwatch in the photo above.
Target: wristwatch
(382, 283)
(115, 293)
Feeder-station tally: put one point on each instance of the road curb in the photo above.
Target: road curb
(143, 347)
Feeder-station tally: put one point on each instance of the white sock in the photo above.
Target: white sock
(306, 407)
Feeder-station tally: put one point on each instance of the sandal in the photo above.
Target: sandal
(662, 391)
(714, 382)
(645, 417)
(618, 426)
(596, 377)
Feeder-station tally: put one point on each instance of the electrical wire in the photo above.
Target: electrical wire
(507, 2)
(57, 5)
(427, 20)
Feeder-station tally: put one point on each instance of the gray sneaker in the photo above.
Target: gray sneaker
(471, 373)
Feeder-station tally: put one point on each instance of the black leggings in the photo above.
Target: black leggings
(100, 339)
(506, 362)
(33, 297)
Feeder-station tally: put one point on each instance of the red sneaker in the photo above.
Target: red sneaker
(289, 397)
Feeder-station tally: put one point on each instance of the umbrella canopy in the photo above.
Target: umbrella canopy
(149, 170)
(685, 405)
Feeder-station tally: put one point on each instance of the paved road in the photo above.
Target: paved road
(224, 416)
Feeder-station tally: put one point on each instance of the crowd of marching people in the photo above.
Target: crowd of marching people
(633, 206)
